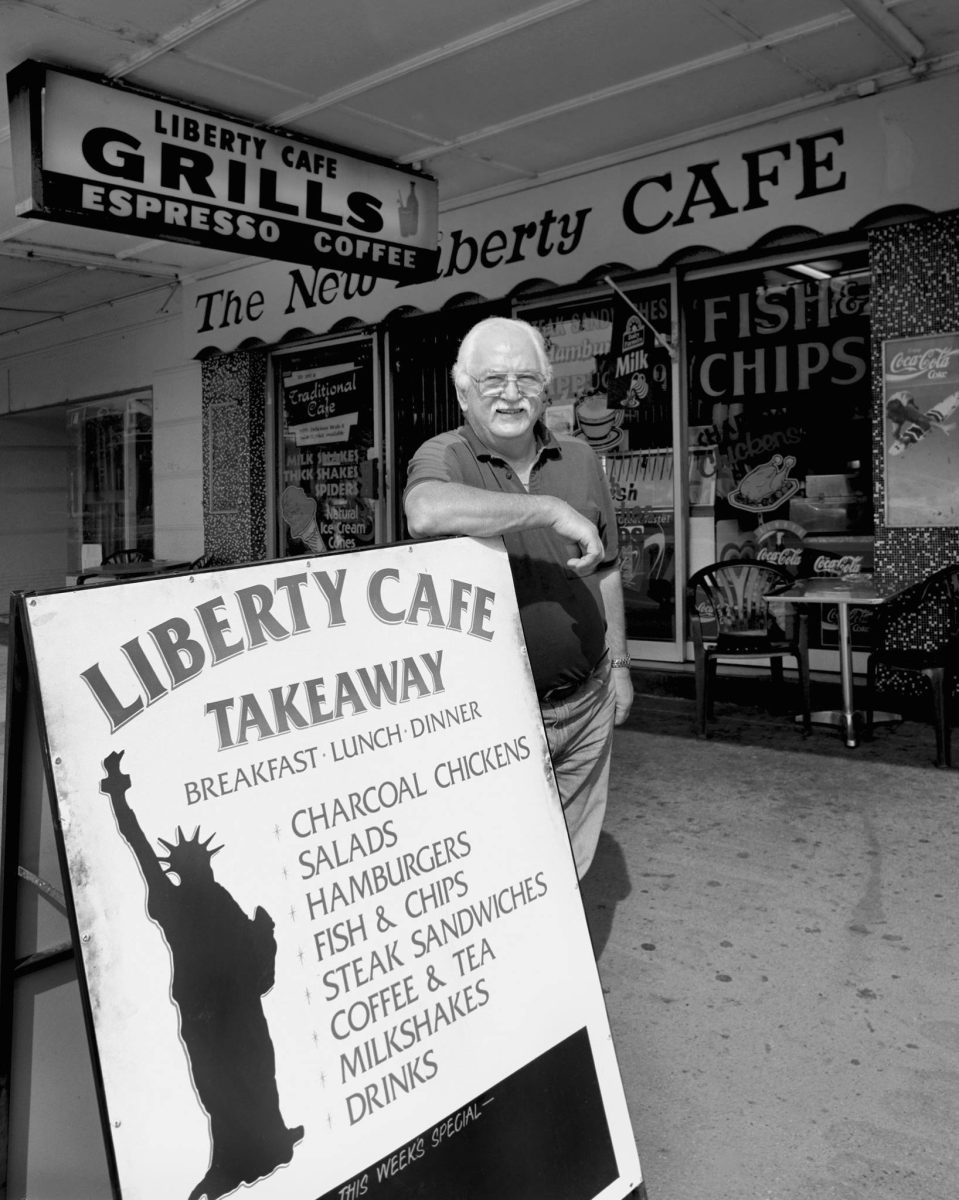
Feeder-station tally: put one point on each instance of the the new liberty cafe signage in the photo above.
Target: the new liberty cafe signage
(109, 157)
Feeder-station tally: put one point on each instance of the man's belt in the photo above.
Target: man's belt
(564, 690)
(554, 695)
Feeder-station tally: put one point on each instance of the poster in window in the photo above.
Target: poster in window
(327, 396)
(920, 377)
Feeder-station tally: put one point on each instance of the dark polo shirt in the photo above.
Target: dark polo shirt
(562, 613)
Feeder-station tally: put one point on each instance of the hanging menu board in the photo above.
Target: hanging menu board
(331, 939)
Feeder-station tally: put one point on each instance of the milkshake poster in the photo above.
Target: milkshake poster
(329, 927)
(921, 429)
(328, 499)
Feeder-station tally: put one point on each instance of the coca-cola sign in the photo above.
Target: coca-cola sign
(931, 363)
(920, 412)
(844, 564)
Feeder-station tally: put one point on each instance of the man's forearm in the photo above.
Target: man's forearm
(611, 589)
(434, 508)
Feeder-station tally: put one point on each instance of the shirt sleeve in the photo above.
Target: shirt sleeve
(433, 461)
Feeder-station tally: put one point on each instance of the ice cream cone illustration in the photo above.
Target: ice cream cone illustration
(299, 511)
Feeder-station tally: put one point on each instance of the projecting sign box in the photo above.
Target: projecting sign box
(105, 155)
(331, 935)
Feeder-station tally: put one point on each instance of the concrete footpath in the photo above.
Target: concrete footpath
(776, 922)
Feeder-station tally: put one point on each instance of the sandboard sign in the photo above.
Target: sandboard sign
(331, 937)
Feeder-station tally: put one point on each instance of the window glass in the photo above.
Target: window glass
(779, 396)
(111, 479)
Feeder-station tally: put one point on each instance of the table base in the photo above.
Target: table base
(849, 724)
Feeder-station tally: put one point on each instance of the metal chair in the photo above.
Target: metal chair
(729, 617)
(118, 557)
(915, 650)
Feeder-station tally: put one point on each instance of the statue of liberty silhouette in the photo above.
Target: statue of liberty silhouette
(223, 963)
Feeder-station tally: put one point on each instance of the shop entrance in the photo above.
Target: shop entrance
(615, 386)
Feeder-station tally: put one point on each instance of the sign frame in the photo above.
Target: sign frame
(541, 1088)
(106, 155)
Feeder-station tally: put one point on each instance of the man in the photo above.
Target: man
(503, 473)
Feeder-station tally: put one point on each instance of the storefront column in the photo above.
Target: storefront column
(234, 456)
(915, 271)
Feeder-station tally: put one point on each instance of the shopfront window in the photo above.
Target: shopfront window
(779, 397)
(779, 392)
(111, 478)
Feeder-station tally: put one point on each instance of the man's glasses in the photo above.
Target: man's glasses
(529, 386)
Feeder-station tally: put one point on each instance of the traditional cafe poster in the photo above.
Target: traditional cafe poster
(331, 936)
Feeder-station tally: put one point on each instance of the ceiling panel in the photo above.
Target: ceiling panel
(764, 17)
(649, 116)
(33, 31)
(496, 82)
(216, 86)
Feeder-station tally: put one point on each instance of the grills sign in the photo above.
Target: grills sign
(104, 156)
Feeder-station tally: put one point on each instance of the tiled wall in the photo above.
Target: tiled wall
(915, 275)
(234, 456)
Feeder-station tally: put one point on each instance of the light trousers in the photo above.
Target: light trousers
(579, 733)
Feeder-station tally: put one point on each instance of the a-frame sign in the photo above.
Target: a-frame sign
(329, 939)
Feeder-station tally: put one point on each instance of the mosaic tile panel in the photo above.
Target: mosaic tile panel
(915, 273)
(234, 456)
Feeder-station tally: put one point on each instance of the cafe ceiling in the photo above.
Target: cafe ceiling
(486, 97)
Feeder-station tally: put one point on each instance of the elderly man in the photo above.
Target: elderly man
(503, 473)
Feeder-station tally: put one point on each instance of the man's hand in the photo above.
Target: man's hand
(572, 525)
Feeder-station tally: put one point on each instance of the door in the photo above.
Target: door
(420, 353)
(615, 386)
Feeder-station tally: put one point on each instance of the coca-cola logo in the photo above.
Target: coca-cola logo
(910, 364)
(790, 556)
(846, 564)
(859, 618)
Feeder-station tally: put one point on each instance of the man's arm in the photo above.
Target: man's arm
(434, 507)
(611, 589)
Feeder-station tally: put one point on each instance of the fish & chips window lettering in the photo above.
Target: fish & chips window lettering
(779, 394)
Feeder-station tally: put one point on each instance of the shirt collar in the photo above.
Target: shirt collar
(546, 443)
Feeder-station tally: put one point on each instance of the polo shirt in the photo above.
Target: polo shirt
(564, 621)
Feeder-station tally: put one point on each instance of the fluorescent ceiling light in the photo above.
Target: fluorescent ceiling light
(813, 272)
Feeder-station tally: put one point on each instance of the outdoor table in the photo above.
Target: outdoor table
(113, 572)
(842, 591)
